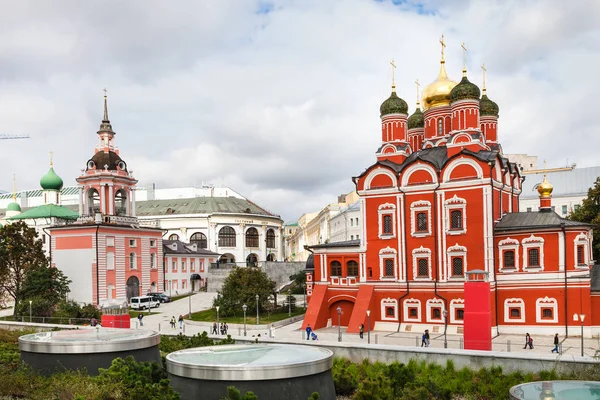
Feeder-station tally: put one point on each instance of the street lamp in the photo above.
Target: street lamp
(369, 326)
(445, 314)
(339, 313)
(581, 317)
(289, 303)
(30, 311)
(257, 316)
(217, 307)
(244, 307)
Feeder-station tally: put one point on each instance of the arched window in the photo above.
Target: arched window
(227, 237)
(251, 237)
(200, 240)
(440, 127)
(336, 268)
(270, 239)
(456, 219)
(132, 261)
(93, 201)
(174, 236)
(352, 267)
(152, 260)
(121, 202)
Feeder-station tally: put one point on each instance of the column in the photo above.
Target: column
(111, 199)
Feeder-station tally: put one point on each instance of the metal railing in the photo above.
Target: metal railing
(48, 320)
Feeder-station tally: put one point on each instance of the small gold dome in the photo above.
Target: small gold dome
(545, 188)
(437, 93)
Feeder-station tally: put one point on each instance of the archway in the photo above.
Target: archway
(227, 258)
(93, 202)
(133, 287)
(271, 257)
(121, 202)
(252, 260)
(346, 306)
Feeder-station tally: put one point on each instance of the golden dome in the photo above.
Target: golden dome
(437, 93)
(545, 188)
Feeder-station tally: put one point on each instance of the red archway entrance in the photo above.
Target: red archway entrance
(346, 306)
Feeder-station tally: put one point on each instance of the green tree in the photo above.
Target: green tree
(20, 251)
(590, 212)
(241, 287)
(46, 287)
(298, 282)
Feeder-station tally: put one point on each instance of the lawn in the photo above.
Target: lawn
(211, 315)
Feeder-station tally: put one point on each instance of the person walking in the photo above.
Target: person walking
(361, 330)
(425, 338)
(555, 349)
(214, 329)
(141, 319)
(225, 327)
(222, 328)
(526, 340)
(172, 322)
(180, 321)
(308, 331)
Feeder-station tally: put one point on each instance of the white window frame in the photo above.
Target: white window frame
(387, 209)
(546, 302)
(153, 260)
(174, 265)
(421, 252)
(411, 303)
(456, 251)
(152, 243)
(456, 304)
(455, 203)
(389, 302)
(581, 240)
(110, 261)
(514, 303)
(192, 265)
(110, 241)
(533, 242)
(132, 243)
(386, 254)
(132, 261)
(430, 305)
(508, 244)
(415, 208)
(183, 266)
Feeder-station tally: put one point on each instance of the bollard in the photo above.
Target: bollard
(417, 341)
(239, 331)
(184, 328)
(303, 335)
(159, 326)
(461, 344)
(376, 338)
(508, 346)
(136, 325)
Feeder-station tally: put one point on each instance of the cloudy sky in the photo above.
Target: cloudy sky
(280, 99)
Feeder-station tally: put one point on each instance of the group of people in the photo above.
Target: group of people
(529, 342)
(222, 329)
(173, 322)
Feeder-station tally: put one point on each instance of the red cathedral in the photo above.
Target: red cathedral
(440, 201)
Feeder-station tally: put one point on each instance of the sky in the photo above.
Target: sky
(279, 100)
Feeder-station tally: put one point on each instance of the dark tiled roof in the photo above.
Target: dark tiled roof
(200, 205)
(347, 243)
(183, 248)
(539, 219)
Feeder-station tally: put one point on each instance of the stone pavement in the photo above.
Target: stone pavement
(159, 320)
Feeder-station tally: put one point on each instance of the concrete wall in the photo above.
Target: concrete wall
(280, 272)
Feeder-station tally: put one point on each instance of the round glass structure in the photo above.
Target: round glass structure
(556, 390)
(269, 370)
(87, 348)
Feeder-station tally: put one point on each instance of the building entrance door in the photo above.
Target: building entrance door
(133, 287)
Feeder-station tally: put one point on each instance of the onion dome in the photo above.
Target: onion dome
(14, 206)
(51, 181)
(545, 188)
(465, 90)
(393, 105)
(487, 106)
(437, 93)
(416, 119)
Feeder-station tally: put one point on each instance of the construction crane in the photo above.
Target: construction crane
(2, 136)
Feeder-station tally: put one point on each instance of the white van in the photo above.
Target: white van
(142, 302)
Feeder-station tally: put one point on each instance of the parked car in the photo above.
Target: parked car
(160, 297)
(143, 302)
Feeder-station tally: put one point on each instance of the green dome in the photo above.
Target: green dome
(464, 90)
(416, 120)
(14, 206)
(393, 105)
(51, 181)
(487, 106)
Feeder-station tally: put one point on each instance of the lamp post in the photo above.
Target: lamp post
(304, 290)
(289, 303)
(580, 317)
(217, 307)
(445, 314)
(257, 316)
(339, 313)
(30, 310)
(369, 326)
(244, 307)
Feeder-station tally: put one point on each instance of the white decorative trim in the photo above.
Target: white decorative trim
(430, 305)
(415, 208)
(462, 161)
(546, 302)
(418, 167)
(388, 254)
(514, 303)
(376, 172)
(389, 302)
(581, 240)
(456, 251)
(417, 254)
(533, 242)
(412, 303)
(455, 203)
(456, 304)
(504, 245)
(383, 210)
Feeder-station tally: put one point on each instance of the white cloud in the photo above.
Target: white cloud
(281, 105)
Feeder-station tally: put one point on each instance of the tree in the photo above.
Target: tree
(46, 287)
(590, 212)
(20, 251)
(241, 287)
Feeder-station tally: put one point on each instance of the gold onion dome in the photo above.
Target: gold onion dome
(437, 93)
(545, 188)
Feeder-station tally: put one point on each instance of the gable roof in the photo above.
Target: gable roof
(200, 205)
(47, 211)
(536, 219)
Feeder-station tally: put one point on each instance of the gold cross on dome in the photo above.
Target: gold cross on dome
(464, 54)
(418, 90)
(51, 163)
(443, 45)
(393, 70)
(484, 71)
(104, 90)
